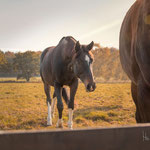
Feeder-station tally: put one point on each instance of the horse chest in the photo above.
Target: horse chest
(65, 76)
(68, 78)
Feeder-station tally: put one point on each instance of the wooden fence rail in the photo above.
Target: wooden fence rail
(122, 138)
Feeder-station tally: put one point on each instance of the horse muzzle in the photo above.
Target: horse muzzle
(91, 87)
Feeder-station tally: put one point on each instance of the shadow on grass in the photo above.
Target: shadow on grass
(96, 108)
(12, 81)
(25, 125)
(104, 113)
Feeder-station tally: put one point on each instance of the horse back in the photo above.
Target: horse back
(54, 62)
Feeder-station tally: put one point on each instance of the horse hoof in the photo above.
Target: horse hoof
(49, 122)
(70, 125)
(59, 124)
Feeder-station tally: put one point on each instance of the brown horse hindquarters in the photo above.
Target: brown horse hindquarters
(45, 66)
(127, 45)
(135, 57)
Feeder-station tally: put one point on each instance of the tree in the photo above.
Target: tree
(3, 62)
(107, 64)
(9, 57)
(97, 45)
(26, 64)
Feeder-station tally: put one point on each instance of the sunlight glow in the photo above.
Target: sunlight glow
(101, 29)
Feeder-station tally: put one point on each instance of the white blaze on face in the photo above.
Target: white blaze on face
(87, 59)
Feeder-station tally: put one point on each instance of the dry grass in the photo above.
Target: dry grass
(23, 106)
(13, 79)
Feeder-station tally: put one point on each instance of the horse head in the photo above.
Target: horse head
(82, 65)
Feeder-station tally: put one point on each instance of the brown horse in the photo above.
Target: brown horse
(63, 65)
(135, 56)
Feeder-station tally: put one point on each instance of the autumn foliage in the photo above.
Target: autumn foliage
(106, 66)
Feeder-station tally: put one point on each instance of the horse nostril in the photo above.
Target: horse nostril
(91, 87)
(88, 87)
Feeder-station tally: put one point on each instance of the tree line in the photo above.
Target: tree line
(22, 64)
(25, 65)
(107, 66)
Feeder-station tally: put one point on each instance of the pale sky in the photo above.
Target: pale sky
(37, 24)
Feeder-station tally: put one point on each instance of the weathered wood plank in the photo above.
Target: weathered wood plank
(122, 138)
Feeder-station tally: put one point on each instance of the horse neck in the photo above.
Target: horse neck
(68, 54)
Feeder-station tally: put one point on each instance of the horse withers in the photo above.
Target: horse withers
(135, 56)
(63, 65)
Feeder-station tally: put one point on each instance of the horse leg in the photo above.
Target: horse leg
(144, 100)
(47, 92)
(53, 104)
(73, 89)
(134, 96)
(58, 92)
(65, 95)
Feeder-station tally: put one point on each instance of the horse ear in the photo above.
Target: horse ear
(77, 46)
(90, 46)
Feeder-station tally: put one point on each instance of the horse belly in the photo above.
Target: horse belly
(47, 77)
(64, 77)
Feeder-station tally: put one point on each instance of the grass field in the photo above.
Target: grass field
(23, 106)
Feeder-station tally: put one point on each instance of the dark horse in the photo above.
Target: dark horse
(63, 65)
(135, 56)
